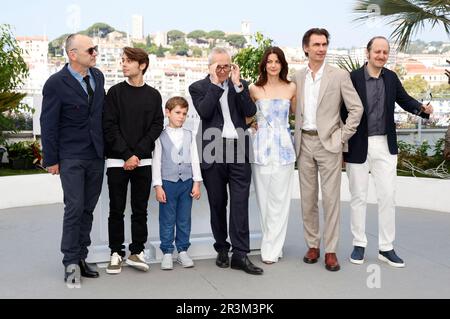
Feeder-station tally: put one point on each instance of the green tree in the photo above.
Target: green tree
(148, 41)
(13, 73)
(160, 52)
(180, 48)
(197, 34)
(174, 35)
(441, 91)
(249, 58)
(406, 16)
(416, 86)
(56, 47)
(99, 29)
(141, 46)
(215, 35)
(197, 52)
(236, 40)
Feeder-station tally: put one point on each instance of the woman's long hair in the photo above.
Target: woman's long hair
(262, 78)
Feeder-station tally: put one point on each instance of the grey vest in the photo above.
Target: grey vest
(176, 165)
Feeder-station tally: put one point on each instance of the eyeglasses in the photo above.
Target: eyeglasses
(89, 50)
(224, 68)
(92, 49)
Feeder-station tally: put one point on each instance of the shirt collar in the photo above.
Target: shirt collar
(319, 73)
(223, 85)
(173, 129)
(77, 75)
(367, 76)
(126, 80)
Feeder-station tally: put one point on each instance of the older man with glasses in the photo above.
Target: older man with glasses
(72, 140)
(222, 101)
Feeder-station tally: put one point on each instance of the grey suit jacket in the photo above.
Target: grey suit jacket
(335, 88)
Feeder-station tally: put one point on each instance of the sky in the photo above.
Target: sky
(284, 21)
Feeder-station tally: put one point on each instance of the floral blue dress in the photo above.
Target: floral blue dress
(272, 142)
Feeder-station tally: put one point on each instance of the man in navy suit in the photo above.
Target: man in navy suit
(72, 141)
(373, 148)
(222, 101)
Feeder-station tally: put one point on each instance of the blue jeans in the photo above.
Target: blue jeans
(176, 212)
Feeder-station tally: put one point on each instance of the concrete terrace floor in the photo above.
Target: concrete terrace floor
(30, 265)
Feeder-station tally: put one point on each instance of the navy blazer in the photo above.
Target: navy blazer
(358, 143)
(205, 96)
(69, 128)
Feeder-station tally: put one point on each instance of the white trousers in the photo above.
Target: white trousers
(273, 186)
(383, 168)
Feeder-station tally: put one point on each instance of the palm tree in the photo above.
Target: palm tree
(407, 16)
(348, 63)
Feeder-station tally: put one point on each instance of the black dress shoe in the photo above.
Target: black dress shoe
(86, 270)
(222, 260)
(243, 263)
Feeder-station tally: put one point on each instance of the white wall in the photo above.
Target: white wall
(424, 193)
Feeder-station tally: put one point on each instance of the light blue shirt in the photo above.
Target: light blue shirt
(79, 78)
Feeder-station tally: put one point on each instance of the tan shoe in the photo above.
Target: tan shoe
(115, 264)
(312, 256)
(138, 261)
(331, 262)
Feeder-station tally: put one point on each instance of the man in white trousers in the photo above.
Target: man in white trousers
(374, 149)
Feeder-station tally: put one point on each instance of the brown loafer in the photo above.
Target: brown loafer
(331, 262)
(312, 256)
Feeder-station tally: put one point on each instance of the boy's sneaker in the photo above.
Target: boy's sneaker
(357, 256)
(138, 261)
(391, 258)
(184, 260)
(115, 264)
(167, 262)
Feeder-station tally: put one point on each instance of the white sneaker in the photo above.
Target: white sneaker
(115, 264)
(184, 260)
(167, 262)
(138, 261)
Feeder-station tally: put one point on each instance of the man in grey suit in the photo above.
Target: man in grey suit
(320, 139)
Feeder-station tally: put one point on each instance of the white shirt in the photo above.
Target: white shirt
(228, 131)
(176, 136)
(312, 88)
(129, 83)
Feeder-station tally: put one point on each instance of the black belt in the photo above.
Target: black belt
(313, 133)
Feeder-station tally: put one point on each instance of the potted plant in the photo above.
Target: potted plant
(24, 154)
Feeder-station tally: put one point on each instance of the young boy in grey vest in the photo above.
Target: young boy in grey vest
(176, 179)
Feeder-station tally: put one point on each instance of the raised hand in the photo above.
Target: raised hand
(213, 73)
(235, 74)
